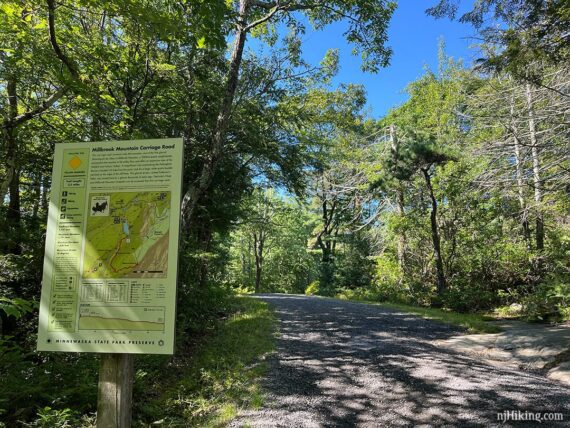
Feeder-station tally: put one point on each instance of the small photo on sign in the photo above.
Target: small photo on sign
(100, 206)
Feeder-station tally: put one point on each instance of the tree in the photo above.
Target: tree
(367, 30)
(32, 85)
(421, 155)
(270, 245)
(537, 31)
(529, 128)
(337, 181)
(422, 136)
(98, 64)
(261, 226)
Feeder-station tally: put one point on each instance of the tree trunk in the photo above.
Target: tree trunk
(326, 244)
(441, 284)
(243, 256)
(198, 189)
(37, 184)
(9, 162)
(394, 143)
(9, 135)
(251, 250)
(44, 194)
(205, 245)
(520, 177)
(11, 184)
(259, 242)
(96, 119)
(535, 171)
(14, 216)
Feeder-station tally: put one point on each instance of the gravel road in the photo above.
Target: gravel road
(341, 364)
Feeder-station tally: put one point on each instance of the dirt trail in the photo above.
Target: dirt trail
(342, 364)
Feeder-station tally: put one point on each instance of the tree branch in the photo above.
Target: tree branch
(46, 104)
(262, 19)
(53, 40)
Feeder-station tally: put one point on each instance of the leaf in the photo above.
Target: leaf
(10, 310)
(40, 25)
(201, 44)
(163, 66)
(108, 98)
(8, 9)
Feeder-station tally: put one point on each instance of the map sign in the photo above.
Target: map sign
(110, 271)
(127, 235)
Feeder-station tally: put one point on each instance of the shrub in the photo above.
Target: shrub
(312, 289)
(550, 300)
(358, 294)
(53, 418)
(388, 283)
(468, 298)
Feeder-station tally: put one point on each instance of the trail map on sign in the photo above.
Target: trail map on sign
(127, 235)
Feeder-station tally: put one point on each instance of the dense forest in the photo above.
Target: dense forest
(459, 198)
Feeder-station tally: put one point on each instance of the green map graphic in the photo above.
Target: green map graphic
(127, 235)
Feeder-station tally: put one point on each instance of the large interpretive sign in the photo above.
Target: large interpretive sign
(110, 268)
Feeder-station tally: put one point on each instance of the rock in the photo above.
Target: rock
(533, 347)
(560, 373)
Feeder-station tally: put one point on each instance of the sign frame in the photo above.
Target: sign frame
(111, 257)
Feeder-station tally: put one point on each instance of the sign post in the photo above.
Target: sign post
(115, 392)
(111, 259)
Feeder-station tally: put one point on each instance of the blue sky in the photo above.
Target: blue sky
(413, 37)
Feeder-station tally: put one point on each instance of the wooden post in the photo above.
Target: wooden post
(115, 392)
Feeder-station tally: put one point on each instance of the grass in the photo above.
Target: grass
(209, 387)
(207, 382)
(474, 323)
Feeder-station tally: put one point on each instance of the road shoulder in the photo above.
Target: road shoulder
(541, 348)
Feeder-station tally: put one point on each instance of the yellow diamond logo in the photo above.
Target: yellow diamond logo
(75, 162)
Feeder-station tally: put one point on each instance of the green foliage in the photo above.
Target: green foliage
(387, 285)
(359, 295)
(367, 25)
(550, 301)
(46, 380)
(312, 289)
(535, 31)
(469, 298)
(15, 272)
(273, 239)
(354, 266)
(201, 308)
(17, 308)
(48, 418)
(210, 381)
(486, 257)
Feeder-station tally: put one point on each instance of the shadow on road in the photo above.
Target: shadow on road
(346, 364)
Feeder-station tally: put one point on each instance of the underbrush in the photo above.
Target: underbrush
(206, 385)
(213, 374)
